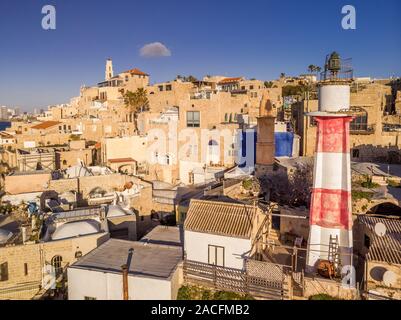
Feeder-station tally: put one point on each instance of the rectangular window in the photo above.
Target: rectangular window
(25, 269)
(160, 88)
(193, 119)
(90, 298)
(4, 271)
(355, 153)
(216, 255)
(168, 87)
(250, 87)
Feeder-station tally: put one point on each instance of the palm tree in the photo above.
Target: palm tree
(268, 84)
(282, 75)
(311, 68)
(136, 102)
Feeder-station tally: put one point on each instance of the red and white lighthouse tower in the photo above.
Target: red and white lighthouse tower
(331, 208)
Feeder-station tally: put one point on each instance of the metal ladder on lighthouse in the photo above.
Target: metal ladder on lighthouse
(333, 255)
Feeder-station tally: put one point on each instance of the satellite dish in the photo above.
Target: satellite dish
(389, 278)
(380, 229)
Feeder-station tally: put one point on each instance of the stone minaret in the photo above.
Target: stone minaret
(109, 69)
(265, 139)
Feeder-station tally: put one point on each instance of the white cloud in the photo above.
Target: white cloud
(154, 49)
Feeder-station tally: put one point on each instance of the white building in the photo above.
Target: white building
(221, 233)
(153, 272)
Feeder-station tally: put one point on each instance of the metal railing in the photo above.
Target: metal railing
(362, 128)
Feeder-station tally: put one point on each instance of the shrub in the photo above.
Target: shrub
(358, 195)
(247, 184)
(322, 296)
(188, 292)
(184, 293)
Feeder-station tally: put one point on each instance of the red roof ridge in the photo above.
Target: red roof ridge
(225, 80)
(45, 124)
(137, 71)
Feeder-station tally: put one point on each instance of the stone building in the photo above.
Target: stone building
(372, 133)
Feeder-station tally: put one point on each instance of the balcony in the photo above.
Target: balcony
(361, 128)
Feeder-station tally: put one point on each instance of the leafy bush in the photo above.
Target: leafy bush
(369, 184)
(247, 184)
(188, 292)
(184, 293)
(225, 295)
(322, 296)
(358, 195)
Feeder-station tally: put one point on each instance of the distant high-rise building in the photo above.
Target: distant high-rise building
(4, 113)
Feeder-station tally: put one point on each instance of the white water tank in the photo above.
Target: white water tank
(333, 97)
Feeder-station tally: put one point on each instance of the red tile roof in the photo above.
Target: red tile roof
(45, 125)
(137, 72)
(120, 160)
(229, 80)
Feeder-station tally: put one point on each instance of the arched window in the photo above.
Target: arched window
(57, 265)
(226, 117)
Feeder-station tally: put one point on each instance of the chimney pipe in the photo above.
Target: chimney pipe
(124, 268)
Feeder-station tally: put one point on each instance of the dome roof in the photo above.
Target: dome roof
(117, 211)
(76, 228)
(5, 235)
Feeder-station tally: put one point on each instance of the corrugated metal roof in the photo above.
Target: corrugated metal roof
(222, 218)
(385, 248)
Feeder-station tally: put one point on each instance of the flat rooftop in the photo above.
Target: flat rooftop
(165, 235)
(148, 260)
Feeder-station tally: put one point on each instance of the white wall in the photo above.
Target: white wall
(196, 248)
(108, 286)
(188, 166)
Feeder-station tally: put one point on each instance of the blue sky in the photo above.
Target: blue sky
(255, 39)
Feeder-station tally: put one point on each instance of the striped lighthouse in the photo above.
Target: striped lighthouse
(330, 235)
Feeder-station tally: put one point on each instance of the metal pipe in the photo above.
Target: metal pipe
(124, 268)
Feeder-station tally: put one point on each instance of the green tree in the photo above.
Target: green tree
(136, 102)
